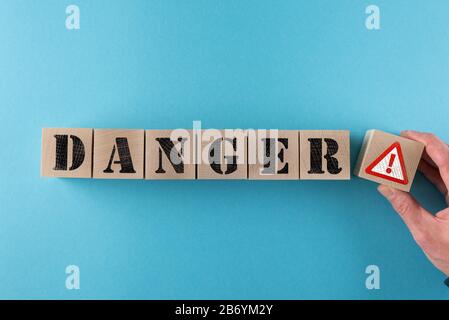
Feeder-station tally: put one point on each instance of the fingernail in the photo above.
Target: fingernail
(387, 192)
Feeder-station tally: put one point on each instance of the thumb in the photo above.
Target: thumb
(416, 218)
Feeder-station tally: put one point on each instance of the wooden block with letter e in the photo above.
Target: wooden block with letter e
(221, 154)
(324, 155)
(388, 159)
(118, 154)
(169, 154)
(273, 155)
(66, 152)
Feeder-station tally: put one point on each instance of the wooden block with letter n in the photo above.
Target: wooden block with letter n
(273, 155)
(388, 159)
(221, 154)
(66, 152)
(118, 154)
(169, 154)
(324, 155)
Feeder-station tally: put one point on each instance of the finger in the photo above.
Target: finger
(425, 156)
(417, 219)
(437, 150)
(433, 175)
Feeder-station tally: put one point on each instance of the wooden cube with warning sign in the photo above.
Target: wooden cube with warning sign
(388, 159)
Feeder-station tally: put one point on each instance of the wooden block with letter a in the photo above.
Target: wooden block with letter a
(169, 154)
(388, 159)
(66, 152)
(324, 155)
(273, 155)
(221, 154)
(118, 154)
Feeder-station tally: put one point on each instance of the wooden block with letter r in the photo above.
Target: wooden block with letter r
(169, 154)
(324, 155)
(273, 154)
(221, 154)
(66, 152)
(388, 159)
(118, 154)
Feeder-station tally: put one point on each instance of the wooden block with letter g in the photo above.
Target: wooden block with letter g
(273, 154)
(324, 155)
(66, 152)
(221, 154)
(388, 159)
(169, 154)
(118, 154)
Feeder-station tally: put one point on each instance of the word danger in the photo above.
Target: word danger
(195, 154)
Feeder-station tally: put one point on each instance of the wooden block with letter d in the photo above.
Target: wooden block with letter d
(169, 154)
(221, 154)
(118, 154)
(388, 159)
(66, 152)
(273, 154)
(324, 155)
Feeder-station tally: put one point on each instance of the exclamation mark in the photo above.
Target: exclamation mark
(390, 162)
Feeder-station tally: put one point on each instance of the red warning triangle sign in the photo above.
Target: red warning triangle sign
(389, 165)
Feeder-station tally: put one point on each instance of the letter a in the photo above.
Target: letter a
(73, 279)
(72, 22)
(124, 154)
(373, 280)
(372, 22)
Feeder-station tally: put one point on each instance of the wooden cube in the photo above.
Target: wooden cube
(66, 153)
(273, 155)
(169, 154)
(324, 155)
(388, 159)
(222, 154)
(118, 154)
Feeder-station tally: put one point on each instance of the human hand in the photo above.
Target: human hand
(429, 231)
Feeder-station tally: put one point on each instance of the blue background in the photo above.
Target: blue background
(230, 64)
